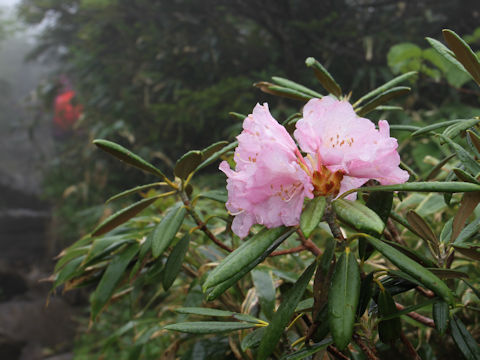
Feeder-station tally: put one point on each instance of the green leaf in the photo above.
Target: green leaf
(441, 315)
(414, 269)
(265, 289)
(237, 116)
(69, 271)
(243, 256)
(308, 350)
(123, 216)
(204, 311)
(455, 129)
(475, 139)
(174, 262)
(424, 230)
(187, 164)
(464, 176)
(208, 327)
(295, 86)
(358, 216)
(223, 286)
(404, 57)
(446, 53)
(382, 99)
(437, 168)
(386, 86)
(110, 279)
(165, 232)
(127, 156)
(252, 339)
(427, 186)
(282, 91)
(219, 195)
(366, 292)
(470, 251)
(343, 299)
(312, 215)
(471, 165)
(214, 148)
(412, 254)
(388, 330)
(284, 313)
(216, 155)
(436, 126)
(464, 340)
(133, 190)
(463, 53)
(326, 80)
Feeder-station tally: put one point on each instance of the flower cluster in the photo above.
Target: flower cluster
(272, 177)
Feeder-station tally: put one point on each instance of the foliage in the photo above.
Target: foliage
(385, 273)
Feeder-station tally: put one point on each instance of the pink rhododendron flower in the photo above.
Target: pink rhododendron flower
(272, 178)
(268, 185)
(337, 138)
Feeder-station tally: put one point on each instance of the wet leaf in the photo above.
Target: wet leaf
(208, 327)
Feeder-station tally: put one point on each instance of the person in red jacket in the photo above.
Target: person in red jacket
(66, 113)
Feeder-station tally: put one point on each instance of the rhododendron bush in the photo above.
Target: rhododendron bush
(323, 243)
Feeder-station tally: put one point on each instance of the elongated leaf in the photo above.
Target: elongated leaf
(424, 231)
(223, 286)
(219, 195)
(127, 156)
(468, 231)
(69, 271)
(243, 255)
(446, 53)
(448, 273)
(123, 216)
(110, 279)
(428, 186)
(204, 311)
(358, 216)
(388, 330)
(265, 289)
(326, 80)
(217, 154)
(437, 168)
(212, 149)
(475, 139)
(412, 254)
(284, 313)
(441, 315)
(208, 327)
(467, 206)
(386, 86)
(366, 292)
(412, 268)
(282, 91)
(382, 99)
(455, 129)
(464, 340)
(187, 164)
(312, 215)
(471, 251)
(164, 233)
(174, 262)
(471, 165)
(463, 53)
(237, 116)
(295, 86)
(343, 299)
(252, 339)
(404, 127)
(134, 190)
(308, 350)
(438, 125)
(409, 309)
(464, 176)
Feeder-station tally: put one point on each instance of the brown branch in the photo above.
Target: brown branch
(416, 316)
(370, 353)
(201, 225)
(394, 232)
(329, 217)
(425, 292)
(336, 353)
(309, 244)
(411, 350)
(289, 251)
